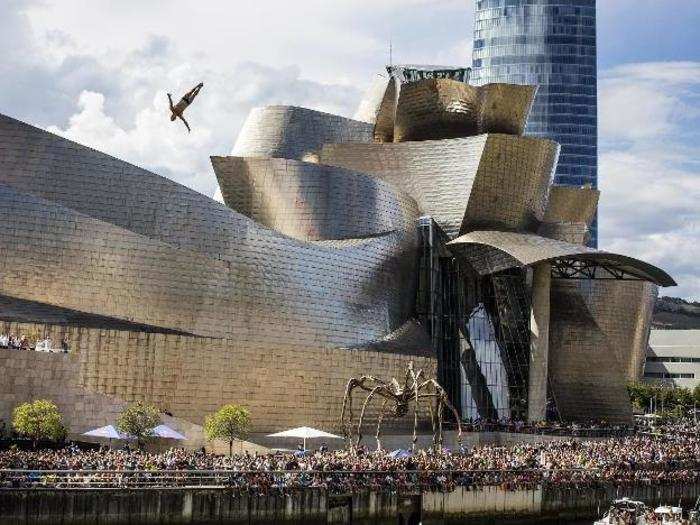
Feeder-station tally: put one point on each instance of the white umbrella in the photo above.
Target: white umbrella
(164, 431)
(106, 432)
(304, 433)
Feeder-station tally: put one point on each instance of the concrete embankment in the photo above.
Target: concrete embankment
(311, 506)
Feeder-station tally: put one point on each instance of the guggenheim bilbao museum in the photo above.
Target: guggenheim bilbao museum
(427, 232)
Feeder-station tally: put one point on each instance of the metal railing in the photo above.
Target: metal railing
(251, 478)
(255, 480)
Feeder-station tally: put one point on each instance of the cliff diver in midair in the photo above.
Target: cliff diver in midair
(178, 109)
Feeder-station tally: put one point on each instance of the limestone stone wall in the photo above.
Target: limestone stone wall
(29, 375)
(190, 377)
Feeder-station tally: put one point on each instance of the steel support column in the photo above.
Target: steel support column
(539, 342)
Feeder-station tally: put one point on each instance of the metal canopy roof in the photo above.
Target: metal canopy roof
(495, 251)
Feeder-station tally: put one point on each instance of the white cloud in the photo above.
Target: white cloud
(149, 139)
(648, 100)
(100, 78)
(650, 168)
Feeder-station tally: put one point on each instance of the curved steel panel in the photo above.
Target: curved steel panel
(586, 374)
(295, 133)
(623, 311)
(495, 180)
(522, 249)
(312, 201)
(442, 108)
(571, 204)
(436, 109)
(504, 108)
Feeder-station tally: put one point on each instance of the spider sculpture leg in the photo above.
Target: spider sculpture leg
(347, 422)
(441, 406)
(432, 418)
(347, 405)
(382, 411)
(362, 413)
(414, 379)
(446, 402)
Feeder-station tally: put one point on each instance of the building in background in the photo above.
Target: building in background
(552, 44)
(674, 357)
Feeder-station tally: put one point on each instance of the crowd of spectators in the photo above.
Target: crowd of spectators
(12, 342)
(643, 458)
(592, 428)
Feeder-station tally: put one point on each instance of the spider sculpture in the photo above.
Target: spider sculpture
(395, 401)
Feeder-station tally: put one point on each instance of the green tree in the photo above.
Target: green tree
(229, 423)
(37, 420)
(696, 395)
(138, 420)
(684, 397)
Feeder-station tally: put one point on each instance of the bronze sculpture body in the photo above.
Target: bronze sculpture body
(414, 389)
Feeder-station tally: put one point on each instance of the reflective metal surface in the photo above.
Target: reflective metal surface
(312, 201)
(493, 251)
(441, 108)
(464, 184)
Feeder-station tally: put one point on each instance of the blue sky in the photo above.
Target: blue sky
(98, 71)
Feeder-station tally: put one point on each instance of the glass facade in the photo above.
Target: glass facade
(552, 44)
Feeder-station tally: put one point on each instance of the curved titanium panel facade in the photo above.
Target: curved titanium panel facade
(569, 213)
(623, 311)
(569, 204)
(295, 133)
(172, 258)
(441, 108)
(586, 375)
(312, 201)
(262, 288)
(462, 183)
(324, 271)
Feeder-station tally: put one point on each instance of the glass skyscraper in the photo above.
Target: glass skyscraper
(550, 43)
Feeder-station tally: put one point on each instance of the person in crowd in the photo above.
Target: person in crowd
(64, 345)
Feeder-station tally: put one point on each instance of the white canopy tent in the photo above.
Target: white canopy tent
(304, 433)
(164, 431)
(108, 431)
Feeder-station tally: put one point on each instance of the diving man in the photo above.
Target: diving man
(178, 109)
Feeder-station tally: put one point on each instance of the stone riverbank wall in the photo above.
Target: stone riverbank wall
(490, 505)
